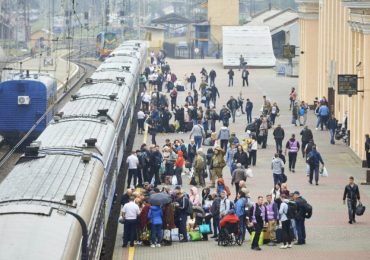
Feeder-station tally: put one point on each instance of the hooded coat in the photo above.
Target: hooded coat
(194, 196)
(222, 186)
(180, 160)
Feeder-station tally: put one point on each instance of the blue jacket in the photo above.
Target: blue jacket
(240, 206)
(324, 111)
(155, 215)
(316, 157)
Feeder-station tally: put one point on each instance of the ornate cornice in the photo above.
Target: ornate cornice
(308, 9)
(359, 20)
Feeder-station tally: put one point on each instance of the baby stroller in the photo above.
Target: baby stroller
(229, 235)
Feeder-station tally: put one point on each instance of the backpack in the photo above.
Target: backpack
(310, 160)
(200, 163)
(292, 210)
(302, 111)
(308, 210)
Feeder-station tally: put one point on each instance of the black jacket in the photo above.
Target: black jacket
(232, 104)
(215, 208)
(301, 208)
(241, 158)
(352, 193)
(306, 135)
(279, 133)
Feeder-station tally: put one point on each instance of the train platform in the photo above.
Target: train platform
(57, 66)
(329, 236)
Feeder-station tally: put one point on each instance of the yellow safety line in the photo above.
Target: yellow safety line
(145, 133)
(131, 253)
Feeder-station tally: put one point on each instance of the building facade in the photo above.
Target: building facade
(335, 39)
(222, 13)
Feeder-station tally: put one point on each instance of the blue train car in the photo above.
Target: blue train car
(24, 99)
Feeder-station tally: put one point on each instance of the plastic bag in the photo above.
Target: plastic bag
(324, 172)
(249, 173)
(174, 180)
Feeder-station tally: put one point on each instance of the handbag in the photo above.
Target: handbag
(195, 236)
(284, 178)
(204, 229)
(174, 180)
(324, 172)
(360, 209)
(167, 235)
(192, 181)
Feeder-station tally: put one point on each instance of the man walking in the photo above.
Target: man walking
(272, 218)
(212, 76)
(314, 159)
(214, 94)
(241, 61)
(232, 104)
(248, 110)
(198, 133)
(324, 114)
(231, 77)
(133, 163)
(245, 75)
(352, 193)
(192, 80)
(277, 166)
(307, 135)
(279, 135)
(223, 136)
(293, 146)
(332, 126)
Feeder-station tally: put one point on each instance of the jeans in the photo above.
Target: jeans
(292, 160)
(258, 230)
(233, 111)
(245, 81)
(153, 139)
(178, 172)
(351, 204)
(279, 144)
(140, 125)
(249, 116)
(318, 121)
(154, 172)
(272, 118)
(301, 230)
(192, 85)
(324, 120)
(286, 232)
(304, 143)
(224, 144)
(129, 231)
(314, 169)
(198, 141)
(231, 82)
(241, 228)
(156, 233)
(136, 174)
(253, 157)
(182, 225)
(278, 178)
(216, 225)
(332, 133)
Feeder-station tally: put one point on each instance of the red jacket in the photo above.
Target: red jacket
(180, 160)
(230, 218)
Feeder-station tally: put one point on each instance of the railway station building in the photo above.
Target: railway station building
(335, 40)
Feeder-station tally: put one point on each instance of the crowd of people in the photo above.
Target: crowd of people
(190, 214)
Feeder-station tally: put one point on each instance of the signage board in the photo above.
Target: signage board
(347, 84)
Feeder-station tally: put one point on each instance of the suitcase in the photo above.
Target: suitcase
(180, 88)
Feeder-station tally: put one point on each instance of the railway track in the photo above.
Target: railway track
(9, 156)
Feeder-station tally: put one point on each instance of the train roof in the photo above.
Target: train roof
(94, 97)
(45, 79)
(112, 76)
(117, 66)
(121, 59)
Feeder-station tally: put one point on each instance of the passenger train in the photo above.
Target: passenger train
(24, 98)
(56, 201)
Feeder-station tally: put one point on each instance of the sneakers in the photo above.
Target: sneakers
(290, 246)
(158, 245)
(152, 245)
(284, 247)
